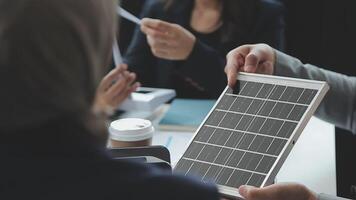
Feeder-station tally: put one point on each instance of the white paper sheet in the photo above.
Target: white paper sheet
(125, 14)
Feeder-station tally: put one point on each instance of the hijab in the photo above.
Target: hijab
(52, 55)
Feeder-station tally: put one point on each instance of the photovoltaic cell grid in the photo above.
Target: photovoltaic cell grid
(244, 135)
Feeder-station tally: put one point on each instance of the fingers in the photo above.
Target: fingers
(246, 191)
(280, 191)
(260, 59)
(235, 61)
(160, 53)
(253, 193)
(231, 69)
(124, 95)
(114, 89)
(249, 58)
(160, 49)
(157, 24)
(253, 60)
(120, 91)
(159, 32)
(158, 44)
(156, 34)
(112, 76)
(124, 81)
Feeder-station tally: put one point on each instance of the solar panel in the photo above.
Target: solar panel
(250, 131)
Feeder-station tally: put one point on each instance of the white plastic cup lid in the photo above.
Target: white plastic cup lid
(131, 130)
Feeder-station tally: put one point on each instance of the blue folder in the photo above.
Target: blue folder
(186, 114)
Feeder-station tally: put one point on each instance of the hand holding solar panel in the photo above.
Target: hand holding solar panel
(250, 131)
(259, 58)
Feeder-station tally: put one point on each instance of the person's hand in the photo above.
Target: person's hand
(114, 89)
(282, 191)
(166, 40)
(259, 58)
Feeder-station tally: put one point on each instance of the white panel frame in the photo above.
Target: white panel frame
(322, 88)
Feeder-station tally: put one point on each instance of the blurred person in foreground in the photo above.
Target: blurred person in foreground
(180, 39)
(338, 107)
(52, 145)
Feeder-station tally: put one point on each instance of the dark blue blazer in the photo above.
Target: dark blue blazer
(61, 160)
(202, 74)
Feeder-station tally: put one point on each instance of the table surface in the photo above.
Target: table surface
(311, 162)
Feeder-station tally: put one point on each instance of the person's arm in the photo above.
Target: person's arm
(339, 105)
(262, 58)
(173, 42)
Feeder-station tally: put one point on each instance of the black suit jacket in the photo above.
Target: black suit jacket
(62, 161)
(202, 74)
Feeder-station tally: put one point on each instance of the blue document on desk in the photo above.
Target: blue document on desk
(186, 114)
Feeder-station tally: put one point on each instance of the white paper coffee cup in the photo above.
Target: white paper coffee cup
(131, 132)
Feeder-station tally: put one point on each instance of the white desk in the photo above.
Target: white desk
(311, 162)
